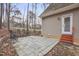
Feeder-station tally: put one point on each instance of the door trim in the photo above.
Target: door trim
(71, 23)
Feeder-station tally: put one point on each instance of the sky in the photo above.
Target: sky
(23, 8)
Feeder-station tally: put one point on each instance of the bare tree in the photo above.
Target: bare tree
(44, 5)
(17, 12)
(27, 19)
(8, 14)
(24, 18)
(32, 14)
(1, 13)
(35, 16)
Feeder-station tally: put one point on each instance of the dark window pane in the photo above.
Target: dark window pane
(67, 24)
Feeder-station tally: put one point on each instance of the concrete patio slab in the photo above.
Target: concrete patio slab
(34, 45)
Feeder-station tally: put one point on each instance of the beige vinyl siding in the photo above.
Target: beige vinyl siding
(51, 25)
(76, 26)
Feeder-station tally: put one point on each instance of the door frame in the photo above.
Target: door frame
(71, 23)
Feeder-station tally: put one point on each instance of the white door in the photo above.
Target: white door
(67, 24)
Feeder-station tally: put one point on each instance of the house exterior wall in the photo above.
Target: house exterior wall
(76, 26)
(52, 25)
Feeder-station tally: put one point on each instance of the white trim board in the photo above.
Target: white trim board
(71, 23)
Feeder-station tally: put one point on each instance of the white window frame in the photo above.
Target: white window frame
(71, 23)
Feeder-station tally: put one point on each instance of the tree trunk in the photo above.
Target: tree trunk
(1, 13)
(24, 21)
(27, 19)
(35, 17)
(32, 17)
(8, 14)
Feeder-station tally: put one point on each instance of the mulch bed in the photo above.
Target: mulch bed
(64, 49)
(6, 47)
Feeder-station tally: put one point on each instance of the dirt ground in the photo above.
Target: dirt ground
(64, 49)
